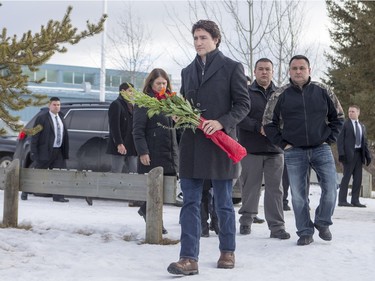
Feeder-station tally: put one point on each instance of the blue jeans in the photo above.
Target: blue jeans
(190, 216)
(321, 160)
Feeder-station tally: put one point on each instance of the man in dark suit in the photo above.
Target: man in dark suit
(353, 153)
(50, 147)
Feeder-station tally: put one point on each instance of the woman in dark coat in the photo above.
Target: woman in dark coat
(156, 145)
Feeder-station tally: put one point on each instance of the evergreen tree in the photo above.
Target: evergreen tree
(31, 51)
(352, 59)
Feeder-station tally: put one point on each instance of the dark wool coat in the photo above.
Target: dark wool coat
(151, 138)
(42, 143)
(222, 96)
(120, 120)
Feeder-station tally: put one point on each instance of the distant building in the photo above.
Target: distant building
(79, 84)
(76, 84)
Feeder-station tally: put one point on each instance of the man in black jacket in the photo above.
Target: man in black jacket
(353, 153)
(120, 142)
(263, 160)
(50, 147)
(304, 118)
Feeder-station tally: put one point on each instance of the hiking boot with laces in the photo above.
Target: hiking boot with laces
(183, 267)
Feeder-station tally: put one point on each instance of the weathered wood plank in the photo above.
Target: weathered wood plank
(86, 184)
(10, 213)
(91, 184)
(154, 213)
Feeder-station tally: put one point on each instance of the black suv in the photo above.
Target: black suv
(8, 144)
(87, 124)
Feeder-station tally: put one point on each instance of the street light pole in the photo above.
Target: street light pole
(102, 69)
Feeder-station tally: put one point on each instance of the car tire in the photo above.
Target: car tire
(5, 161)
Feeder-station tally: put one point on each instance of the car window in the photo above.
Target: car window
(87, 119)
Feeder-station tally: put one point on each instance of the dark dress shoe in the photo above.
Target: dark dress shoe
(359, 205)
(24, 196)
(286, 207)
(245, 229)
(344, 204)
(61, 200)
(205, 230)
(143, 215)
(324, 232)
(280, 234)
(88, 201)
(305, 240)
(258, 220)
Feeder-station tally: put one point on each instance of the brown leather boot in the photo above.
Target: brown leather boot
(183, 267)
(226, 260)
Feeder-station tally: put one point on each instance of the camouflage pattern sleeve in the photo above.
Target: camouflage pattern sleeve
(268, 112)
(272, 120)
(335, 100)
(335, 115)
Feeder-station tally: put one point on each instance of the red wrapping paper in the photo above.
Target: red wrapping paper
(231, 147)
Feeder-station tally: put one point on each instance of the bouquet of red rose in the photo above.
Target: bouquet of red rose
(170, 104)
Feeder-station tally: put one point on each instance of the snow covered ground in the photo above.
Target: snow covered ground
(74, 241)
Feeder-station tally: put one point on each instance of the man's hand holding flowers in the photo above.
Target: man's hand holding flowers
(211, 126)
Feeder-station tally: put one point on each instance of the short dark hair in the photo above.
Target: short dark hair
(155, 74)
(54, 99)
(211, 27)
(299, 57)
(355, 106)
(124, 86)
(263, 60)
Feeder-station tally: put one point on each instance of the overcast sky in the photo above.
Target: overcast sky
(20, 16)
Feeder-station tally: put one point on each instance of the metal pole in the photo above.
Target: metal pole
(102, 69)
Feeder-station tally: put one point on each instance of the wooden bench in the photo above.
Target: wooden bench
(153, 187)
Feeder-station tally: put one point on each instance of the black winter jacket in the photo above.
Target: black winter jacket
(151, 138)
(249, 128)
(304, 117)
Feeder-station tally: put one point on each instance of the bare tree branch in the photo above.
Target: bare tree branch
(131, 47)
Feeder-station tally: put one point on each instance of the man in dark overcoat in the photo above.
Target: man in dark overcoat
(120, 141)
(217, 86)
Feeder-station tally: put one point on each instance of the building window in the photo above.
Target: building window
(68, 77)
(89, 78)
(108, 81)
(78, 78)
(40, 74)
(51, 76)
(116, 81)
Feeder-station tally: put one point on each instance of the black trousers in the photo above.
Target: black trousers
(353, 168)
(56, 161)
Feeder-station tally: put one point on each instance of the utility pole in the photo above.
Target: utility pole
(102, 69)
